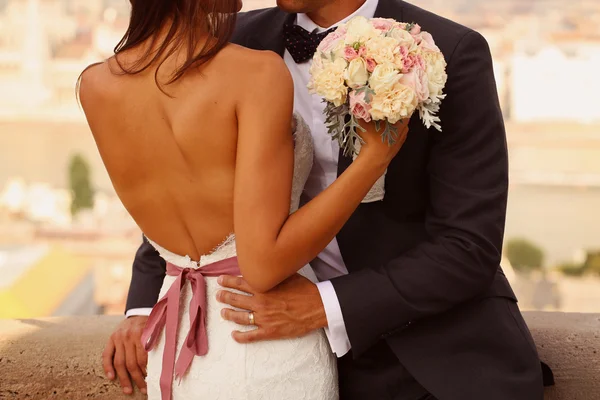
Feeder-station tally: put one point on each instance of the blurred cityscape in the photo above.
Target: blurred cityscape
(546, 59)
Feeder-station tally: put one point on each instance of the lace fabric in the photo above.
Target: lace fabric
(225, 250)
(299, 369)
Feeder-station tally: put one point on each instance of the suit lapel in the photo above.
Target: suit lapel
(390, 9)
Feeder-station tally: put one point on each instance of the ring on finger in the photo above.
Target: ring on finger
(251, 318)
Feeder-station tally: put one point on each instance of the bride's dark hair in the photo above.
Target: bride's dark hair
(186, 23)
(185, 17)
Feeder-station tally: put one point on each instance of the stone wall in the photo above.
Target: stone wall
(570, 344)
(56, 358)
(59, 358)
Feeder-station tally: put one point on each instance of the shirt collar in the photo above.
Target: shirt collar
(367, 10)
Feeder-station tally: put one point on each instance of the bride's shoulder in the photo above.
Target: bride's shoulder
(256, 66)
(95, 82)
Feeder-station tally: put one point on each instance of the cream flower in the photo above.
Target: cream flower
(384, 76)
(382, 49)
(395, 104)
(339, 49)
(317, 64)
(403, 38)
(328, 81)
(357, 74)
(436, 72)
(359, 29)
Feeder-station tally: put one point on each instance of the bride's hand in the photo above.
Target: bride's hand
(377, 149)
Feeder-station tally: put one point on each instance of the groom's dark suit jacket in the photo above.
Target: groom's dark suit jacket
(424, 263)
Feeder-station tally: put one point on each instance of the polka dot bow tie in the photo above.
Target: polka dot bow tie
(301, 43)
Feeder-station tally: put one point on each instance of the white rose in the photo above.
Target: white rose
(328, 81)
(404, 38)
(382, 49)
(338, 49)
(436, 72)
(357, 74)
(395, 104)
(359, 29)
(316, 65)
(384, 76)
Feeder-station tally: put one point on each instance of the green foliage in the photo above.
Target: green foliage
(571, 269)
(390, 134)
(592, 263)
(524, 255)
(80, 183)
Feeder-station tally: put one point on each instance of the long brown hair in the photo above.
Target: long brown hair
(150, 17)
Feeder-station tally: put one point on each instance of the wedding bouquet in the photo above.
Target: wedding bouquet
(377, 70)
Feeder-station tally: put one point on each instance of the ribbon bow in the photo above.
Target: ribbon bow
(166, 314)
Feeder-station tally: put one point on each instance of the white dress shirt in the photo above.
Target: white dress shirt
(329, 264)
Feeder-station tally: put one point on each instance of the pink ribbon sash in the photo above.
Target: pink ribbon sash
(166, 314)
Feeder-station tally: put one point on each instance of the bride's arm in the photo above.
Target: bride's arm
(271, 244)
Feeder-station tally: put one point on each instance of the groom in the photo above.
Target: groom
(412, 295)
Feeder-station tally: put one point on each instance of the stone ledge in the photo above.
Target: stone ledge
(570, 344)
(56, 358)
(59, 358)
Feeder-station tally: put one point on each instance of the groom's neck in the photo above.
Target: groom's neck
(334, 12)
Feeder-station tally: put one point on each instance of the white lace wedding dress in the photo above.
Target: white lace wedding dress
(298, 369)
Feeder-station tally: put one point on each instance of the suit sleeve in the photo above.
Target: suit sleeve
(149, 271)
(468, 184)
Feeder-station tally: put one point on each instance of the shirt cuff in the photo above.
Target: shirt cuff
(336, 330)
(136, 312)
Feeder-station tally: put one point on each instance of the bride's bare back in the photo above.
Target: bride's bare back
(172, 156)
(212, 153)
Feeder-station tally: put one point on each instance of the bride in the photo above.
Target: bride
(198, 138)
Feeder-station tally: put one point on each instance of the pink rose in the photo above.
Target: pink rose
(359, 107)
(382, 24)
(403, 51)
(371, 64)
(421, 62)
(427, 42)
(400, 58)
(362, 51)
(417, 80)
(411, 61)
(331, 40)
(416, 29)
(349, 53)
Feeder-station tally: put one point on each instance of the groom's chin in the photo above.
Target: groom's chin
(301, 6)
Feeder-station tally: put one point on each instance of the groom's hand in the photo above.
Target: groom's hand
(125, 354)
(290, 310)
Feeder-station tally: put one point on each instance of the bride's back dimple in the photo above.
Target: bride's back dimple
(171, 157)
